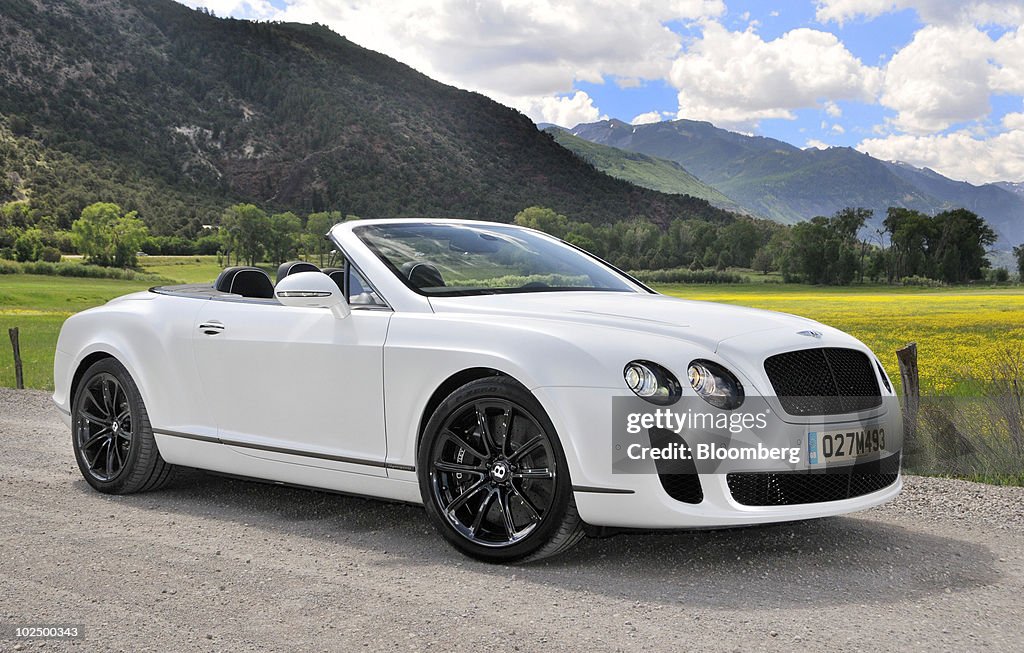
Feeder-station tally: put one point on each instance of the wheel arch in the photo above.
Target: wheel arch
(88, 361)
(450, 385)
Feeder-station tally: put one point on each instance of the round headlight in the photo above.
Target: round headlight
(715, 384)
(652, 382)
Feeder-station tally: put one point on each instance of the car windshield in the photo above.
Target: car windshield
(457, 259)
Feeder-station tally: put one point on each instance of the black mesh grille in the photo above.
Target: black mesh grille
(678, 477)
(823, 381)
(831, 484)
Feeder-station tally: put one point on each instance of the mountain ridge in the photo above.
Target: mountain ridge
(780, 181)
(204, 111)
(640, 169)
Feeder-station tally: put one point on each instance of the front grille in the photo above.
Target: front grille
(678, 477)
(797, 487)
(823, 381)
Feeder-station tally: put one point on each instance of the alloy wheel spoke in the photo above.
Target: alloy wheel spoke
(108, 399)
(456, 468)
(461, 442)
(502, 431)
(533, 472)
(485, 430)
(481, 512)
(96, 437)
(96, 455)
(532, 509)
(96, 419)
(506, 513)
(110, 458)
(89, 394)
(530, 445)
(461, 500)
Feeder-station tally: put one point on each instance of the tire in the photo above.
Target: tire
(111, 434)
(493, 475)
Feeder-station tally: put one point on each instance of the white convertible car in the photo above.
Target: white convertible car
(482, 370)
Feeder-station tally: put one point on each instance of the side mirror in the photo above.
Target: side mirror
(312, 290)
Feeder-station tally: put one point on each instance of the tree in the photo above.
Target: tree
(29, 245)
(107, 237)
(282, 236)
(1018, 251)
(543, 219)
(740, 240)
(910, 234)
(315, 237)
(826, 250)
(763, 261)
(961, 240)
(245, 227)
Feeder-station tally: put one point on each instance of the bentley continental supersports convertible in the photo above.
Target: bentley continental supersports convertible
(475, 368)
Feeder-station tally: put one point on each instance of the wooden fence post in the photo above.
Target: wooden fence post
(907, 357)
(18, 378)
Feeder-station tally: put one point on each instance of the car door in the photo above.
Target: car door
(296, 385)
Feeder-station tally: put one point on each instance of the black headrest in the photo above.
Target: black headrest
(337, 275)
(291, 267)
(423, 275)
(245, 281)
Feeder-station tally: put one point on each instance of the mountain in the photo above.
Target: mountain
(777, 180)
(177, 113)
(647, 171)
(1000, 206)
(1016, 188)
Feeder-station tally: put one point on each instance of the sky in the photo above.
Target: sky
(935, 83)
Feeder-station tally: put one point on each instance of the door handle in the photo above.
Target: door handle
(211, 328)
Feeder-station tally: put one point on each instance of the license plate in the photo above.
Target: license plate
(846, 445)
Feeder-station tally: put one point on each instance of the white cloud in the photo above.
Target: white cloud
(567, 111)
(646, 118)
(815, 144)
(838, 129)
(519, 48)
(833, 109)
(1013, 121)
(735, 79)
(947, 75)
(959, 155)
(980, 12)
(940, 78)
(1009, 55)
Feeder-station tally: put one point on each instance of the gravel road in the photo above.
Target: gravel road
(214, 564)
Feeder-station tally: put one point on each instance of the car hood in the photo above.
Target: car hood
(707, 323)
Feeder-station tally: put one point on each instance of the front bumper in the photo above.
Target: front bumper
(584, 421)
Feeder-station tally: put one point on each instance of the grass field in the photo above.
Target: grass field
(958, 331)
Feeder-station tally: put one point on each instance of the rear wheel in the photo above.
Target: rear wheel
(493, 475)
(111, 434)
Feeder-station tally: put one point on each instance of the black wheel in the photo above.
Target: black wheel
(111, 434)
(493, 475)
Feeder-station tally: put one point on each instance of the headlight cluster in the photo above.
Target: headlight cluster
(712, 382)
(715, 384)
(652, 382)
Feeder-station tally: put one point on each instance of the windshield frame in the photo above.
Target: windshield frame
(638, 286)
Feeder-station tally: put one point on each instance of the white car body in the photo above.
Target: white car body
(299, 396)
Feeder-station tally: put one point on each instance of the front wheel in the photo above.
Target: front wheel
(111, 434)
(493, 475)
